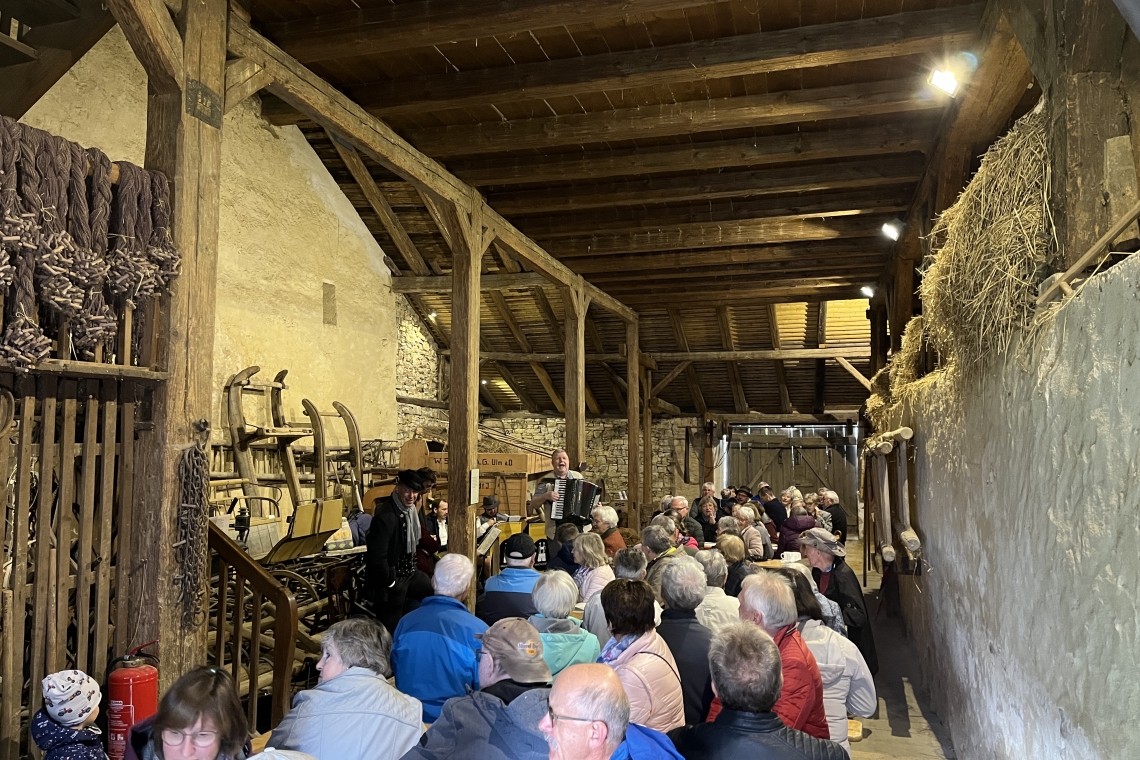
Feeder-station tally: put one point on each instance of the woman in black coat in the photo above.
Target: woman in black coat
(837, 581)
(706, 518)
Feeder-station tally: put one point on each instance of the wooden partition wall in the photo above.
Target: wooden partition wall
(66, 477)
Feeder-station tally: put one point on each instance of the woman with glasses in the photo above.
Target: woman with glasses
(199, 718)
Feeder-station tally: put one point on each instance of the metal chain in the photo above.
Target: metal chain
(192, 548)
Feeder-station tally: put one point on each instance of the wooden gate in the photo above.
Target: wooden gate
(67, 486)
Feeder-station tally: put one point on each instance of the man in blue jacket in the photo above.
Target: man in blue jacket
(435, 648)
(508, 594)
(588, 719)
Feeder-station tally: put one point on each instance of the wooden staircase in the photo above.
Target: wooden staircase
(39, 41)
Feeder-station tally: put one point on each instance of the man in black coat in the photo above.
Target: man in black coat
(838, 582)
(746, 674)
(683, 589)
(392, 583)
(773, 507)
(831, 505)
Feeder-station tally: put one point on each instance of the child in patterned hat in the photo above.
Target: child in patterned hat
(64, 728)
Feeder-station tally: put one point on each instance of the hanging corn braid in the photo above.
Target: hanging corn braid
(10, 222)
(161, 250)
(56, 258)
(96, 324)
(132, 277)
(24, 343)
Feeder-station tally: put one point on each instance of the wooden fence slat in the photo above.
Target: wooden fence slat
(11, 692)
(222, 606)
(254, 657)
(105, 496)
(42, 595)
(57, 652)
(126, 476)
(87, 536)
(239, 616)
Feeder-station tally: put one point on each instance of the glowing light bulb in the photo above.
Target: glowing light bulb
(867, 291)
(892, 230)
(945, 81)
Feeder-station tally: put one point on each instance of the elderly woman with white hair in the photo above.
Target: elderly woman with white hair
(564, 642)
(353, 711)
(683, 587)
(594, 571)
(717, 609)
(756, 541)
(604, 521)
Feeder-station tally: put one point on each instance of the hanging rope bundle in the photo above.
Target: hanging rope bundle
(161, 250)
(193, 511)
(10, 221)
(133, 277)
(24, 343)
(56, 257)
(96, 324)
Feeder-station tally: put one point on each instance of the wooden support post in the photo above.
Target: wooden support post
(184, 119)
(633, 431)
(647, 442)
(778, 365)
(577, 304)
(877, 315)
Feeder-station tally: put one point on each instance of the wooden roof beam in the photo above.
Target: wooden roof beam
(442, 283)
(778, 364)
(771, 272)
(508, 317)
(901, 34)
(820, 364)
(854, 372)
(757, 295)
(386, 28)
(651, 359)
(691, 380)
(657, 262)
(728, 342)
(767, 109)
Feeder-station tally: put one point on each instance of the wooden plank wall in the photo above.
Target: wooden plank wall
(69, 514)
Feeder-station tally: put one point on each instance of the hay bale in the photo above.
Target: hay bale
(906, 363)
(988, 250)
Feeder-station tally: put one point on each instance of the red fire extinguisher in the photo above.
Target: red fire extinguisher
(132, 697)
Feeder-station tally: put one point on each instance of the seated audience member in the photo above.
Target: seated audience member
(594, 570)
(563, 558)
(717, 609)
(706, 517)
(830, 502)
(747, 677)
(500, 721)
(832, 615)
(786, 497)
(683, 587)
(433, 534)
(588, 719)
(200, 717)
(727, 502)
(768, 602)
(774, 508)
(640, 657)
(564, 642)
(739, 568)
(838, 582)
(604, 522)
(434, 647)
(689, 525)
(64, 728)
(848, 687)
(757, 544)
(353, 711)
(822, 517)
(743, 495)
(659, 549)
(629, 564)
(798, 521)
(508, 593)
(728, 526)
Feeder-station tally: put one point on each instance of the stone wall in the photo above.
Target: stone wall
(418, 376)
(1027, 618)
(301, 282)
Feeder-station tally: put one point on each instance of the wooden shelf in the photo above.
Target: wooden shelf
(92, 370)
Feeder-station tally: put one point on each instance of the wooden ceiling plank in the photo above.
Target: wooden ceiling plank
(595, 338)
(387, 28)
(691, 379)
(728, 343)
(900, 34)
(508, 317)
(854, 372)
(442, 283)
(656, 262)
(820, 364)
(767, 109)
(652, 358)
(517, 387)
(778, 364)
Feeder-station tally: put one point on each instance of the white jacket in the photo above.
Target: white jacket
(357, 715)
(847, 683)
(718, 608)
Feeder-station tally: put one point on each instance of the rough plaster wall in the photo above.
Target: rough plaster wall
(286, 230)
(1027, 618)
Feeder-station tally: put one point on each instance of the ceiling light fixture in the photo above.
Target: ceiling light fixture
(483, 381)
(868, 291)
(432, 315)
(945, 81)
(892, 230)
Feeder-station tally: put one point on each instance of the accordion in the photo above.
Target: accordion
(576, 498)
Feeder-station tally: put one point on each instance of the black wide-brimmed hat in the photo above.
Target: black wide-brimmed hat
(411, 479)
(491, 502)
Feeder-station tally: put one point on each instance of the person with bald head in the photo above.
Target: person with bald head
(588, 719)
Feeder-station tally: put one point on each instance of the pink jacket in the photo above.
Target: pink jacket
(594, 581)
(649, 674)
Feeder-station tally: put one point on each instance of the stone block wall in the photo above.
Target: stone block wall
(417, 375)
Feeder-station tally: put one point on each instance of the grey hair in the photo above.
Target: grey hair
(728, 524)
(797, 511)
(610, 706)
(747, 513)
(555, 594)
(771, 595)
(745, 666)
(608, 515)
(361, 643)
(657, 539)
(591, 549)
(683, 584)
(452, 575)
(716, 569)
(683, 501)
(704, 501)
(556, 452)
(524, 562)
(665, 523)
(708, 483)
(789, 491)
(630, 564)
(832, 495)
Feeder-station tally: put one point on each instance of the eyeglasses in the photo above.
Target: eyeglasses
(172, 738)
(554, 717)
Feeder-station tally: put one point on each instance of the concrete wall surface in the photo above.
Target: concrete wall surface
(286, 233)
(1026, 618)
